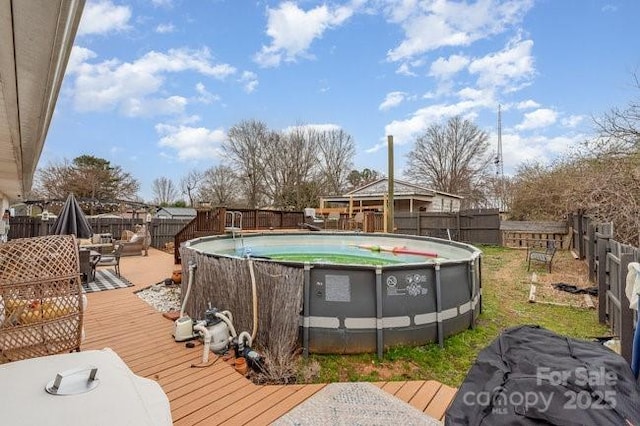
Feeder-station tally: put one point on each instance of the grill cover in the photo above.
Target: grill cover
(532, 376)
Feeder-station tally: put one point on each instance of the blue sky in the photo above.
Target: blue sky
(153, 85)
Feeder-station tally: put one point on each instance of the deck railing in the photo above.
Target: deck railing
(215, 221)
(206, 222)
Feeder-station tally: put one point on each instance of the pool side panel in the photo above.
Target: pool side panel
(351, 309)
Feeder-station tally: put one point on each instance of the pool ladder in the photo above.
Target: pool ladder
(234, 218)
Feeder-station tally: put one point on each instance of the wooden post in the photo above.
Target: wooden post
(580, 232)
(391, 198)
(590, 252)
(385, 208)
(603, 285)
(626, 314)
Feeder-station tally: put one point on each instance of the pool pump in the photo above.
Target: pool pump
(218, 329)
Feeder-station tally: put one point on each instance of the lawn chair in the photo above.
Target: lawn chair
(357, 221)
(333, 218)
(541, 254)
(112, 259)
(310, 216)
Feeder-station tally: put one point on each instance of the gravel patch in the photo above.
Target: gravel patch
(354, 404)
(162, 297)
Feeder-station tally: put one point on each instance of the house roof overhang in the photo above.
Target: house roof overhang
(36, 38)
(376, 197)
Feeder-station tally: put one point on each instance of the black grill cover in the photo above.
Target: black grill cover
(532, 376)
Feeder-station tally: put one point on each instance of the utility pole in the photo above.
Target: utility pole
(390, 198)
(498, 160)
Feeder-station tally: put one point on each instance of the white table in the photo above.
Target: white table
(120, 397)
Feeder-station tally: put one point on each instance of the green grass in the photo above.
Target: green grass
(504, 304)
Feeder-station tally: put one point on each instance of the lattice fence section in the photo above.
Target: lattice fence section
(40, 297)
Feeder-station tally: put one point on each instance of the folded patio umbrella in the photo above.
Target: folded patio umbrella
(72, 220)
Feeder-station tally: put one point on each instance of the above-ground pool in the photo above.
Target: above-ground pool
(367, 292)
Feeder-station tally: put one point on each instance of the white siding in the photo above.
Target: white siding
(443, 203)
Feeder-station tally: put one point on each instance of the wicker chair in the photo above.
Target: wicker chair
(41, 309)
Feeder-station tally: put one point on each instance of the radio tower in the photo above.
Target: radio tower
(499, 167)
(498, 160)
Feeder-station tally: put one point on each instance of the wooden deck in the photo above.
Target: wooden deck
(217, 394)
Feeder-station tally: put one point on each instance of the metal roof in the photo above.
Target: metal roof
(177, 211)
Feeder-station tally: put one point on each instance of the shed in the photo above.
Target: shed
(175, 213)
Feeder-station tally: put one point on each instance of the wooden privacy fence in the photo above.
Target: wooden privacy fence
(607, 261)
(162, 230)
(472, 226)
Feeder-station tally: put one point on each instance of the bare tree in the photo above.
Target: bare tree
(244, 148)
(219, 186)
(452, 158)
(542, 192)
(189, 185)
(337, 150)
(607, 187)
(291, 171)
(619, 129)
(164, 191)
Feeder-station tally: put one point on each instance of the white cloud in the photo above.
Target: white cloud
(517, 149)
(528, 104)
(164, 3)
(205, 96)
(482, 97)
(102, 17)
(324, 85)
(541, 117)
(392, 100)
(191, 143)
(293, 30)
(445, 67)
(326, 127)
(165, 28)
(506, 68)
(148, 107)
(189, 119)
(572, 121)
(249, 80)
(438, 23)
(79, 55)
(405, 131)
(132, 86)
(405, 69)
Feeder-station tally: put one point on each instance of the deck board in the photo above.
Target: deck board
(141, 336)
(423, 397)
